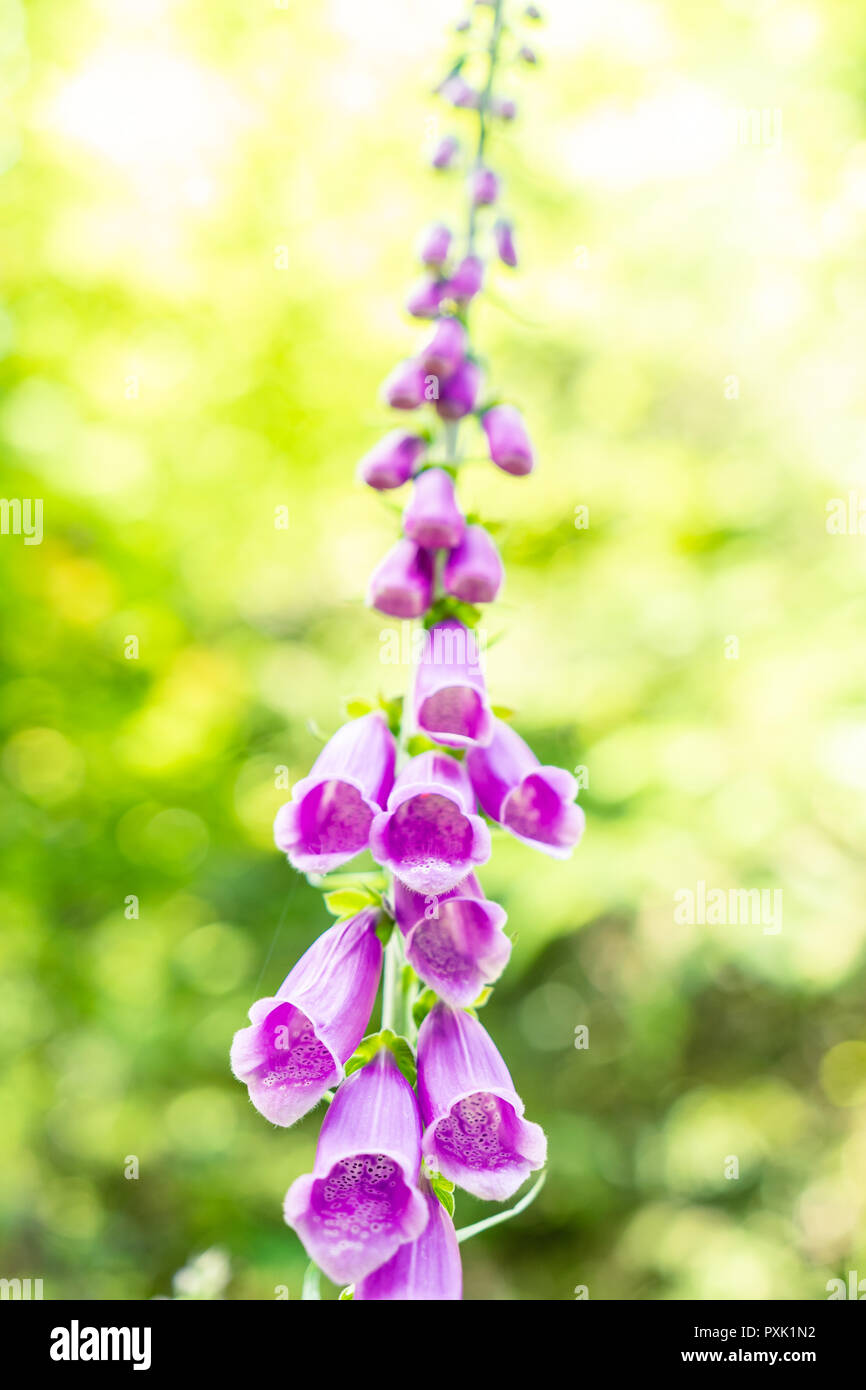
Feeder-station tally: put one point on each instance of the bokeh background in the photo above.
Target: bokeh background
(207, 228)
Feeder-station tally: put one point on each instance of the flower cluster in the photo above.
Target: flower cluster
(418, 786)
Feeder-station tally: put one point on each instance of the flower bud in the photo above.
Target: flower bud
(473, 571)
(457, 395)
(445, 152)
(466, 281)
(456, 90)
(402, 584)
(503, 235)
(503, 107)
(391, 462)
(435, 245)
(507, 439)
(425, 297)
(403, 388)
(432, 518)
(445, 350)
(484, 187)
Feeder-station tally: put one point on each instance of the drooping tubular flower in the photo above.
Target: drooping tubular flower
(366, 1214)
(435, 245)
(392, 461)
(484, 186)
(450, 696)
(361, 1202)
(458, 393)
(299, 1041)
(402, 584)
(535, 803)
(454, 941)
(430, 836)
(445, 351)
(503, 235)
(328, 819)
(424, 300)
(474, 1130)
(422, 1270)
(433, 518)
(508, 441)
(473, 571)
(466, 280)
(404, 387)
(445, 152)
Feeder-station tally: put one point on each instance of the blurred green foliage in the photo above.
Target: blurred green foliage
(208, 215)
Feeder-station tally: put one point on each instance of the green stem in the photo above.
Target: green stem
(467, 1232)
(391, 983)
(484, 105)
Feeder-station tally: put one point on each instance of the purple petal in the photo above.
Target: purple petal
(503, 107)
(445, 351)
(466, 281)
(483, 187)
(474, 1134)
(426, 1270)
(536, 804)
(459, 392)
(454, 940)
(430, 836)
(446, 152)
(503, 235)
(473, 571)
(435, 245)
(328, 819)
(361, 1202)
(402, 584)
(450, 696)
(425, 297)
(432, 518)
(392, 461)
(507, 439)
(299, 1041)
(403, 388)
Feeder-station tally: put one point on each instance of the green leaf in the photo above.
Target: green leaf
(310, 1289)
(446, 607)
(384, 928)
(393, 709)
(483, 997)
(345, 902)
(422, 1006)
(467, 1232)
(444, 1190)
(400, 1049)
(503, 712)
(347, 1293)
(356, 707)
(404, 1056)
(493, 528)
(420, 743)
